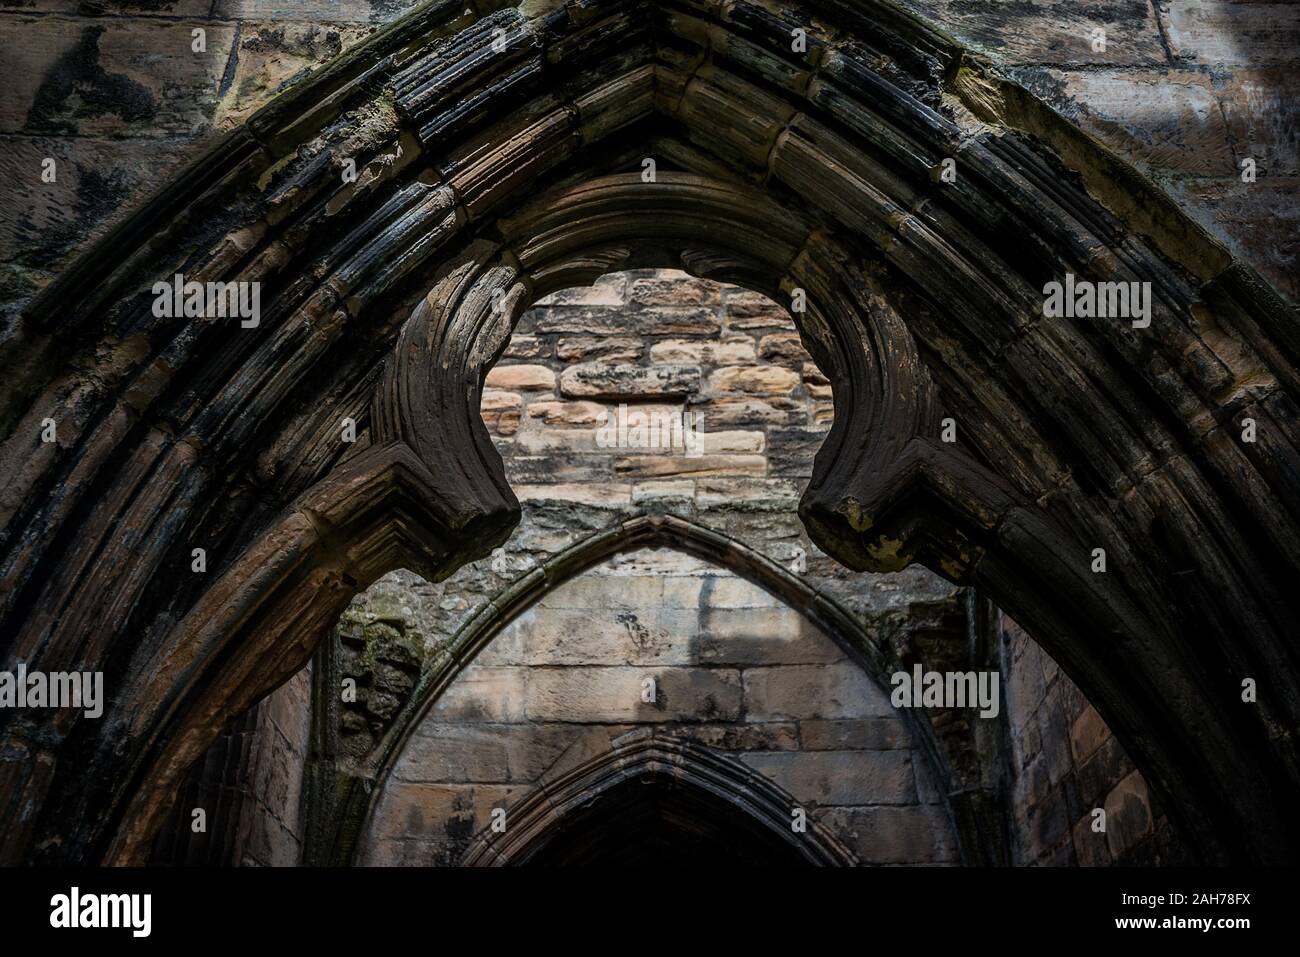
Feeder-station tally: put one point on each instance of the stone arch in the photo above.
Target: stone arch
(682, 763)
(494, 149)
(975, 819)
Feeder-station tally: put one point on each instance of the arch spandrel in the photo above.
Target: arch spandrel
(1073, 435)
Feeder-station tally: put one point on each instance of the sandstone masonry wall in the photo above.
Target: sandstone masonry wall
(1065, 763)
(1186, 89)
(736, 670)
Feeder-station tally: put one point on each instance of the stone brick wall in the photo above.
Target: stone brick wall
(1064, 763)
(1184, 89)
(664, 344)
(735, 670)
(116, 94)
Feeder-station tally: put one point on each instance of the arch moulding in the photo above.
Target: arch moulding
(501, 156)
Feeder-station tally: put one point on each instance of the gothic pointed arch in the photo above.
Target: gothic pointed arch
(501, 152)
(563, 805)
(971, 811)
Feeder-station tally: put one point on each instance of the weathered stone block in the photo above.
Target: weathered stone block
(558, 469)
(863, 734)
(752, 310)
(97, 183)
(568, 413)
(521, 378)
(587, 695)
(777, 736)
(729, 352)
(667, 489)
(602, 494)
(484, 694)
(459, 752)
(719, 443)
(649, 636)
(676, 321)
(658, 466)
(605, 348)
(1128, 815)
(673, 288)
(545, 441)
(628, 382)
(1087, 734)
(758, 636)
(757, 380)
(111, 77)
(752, 411)
(893, 835)
(1221, 31)
(580, 320)
(813, 691)
(758, 493)
(840, 777)
(783, 347)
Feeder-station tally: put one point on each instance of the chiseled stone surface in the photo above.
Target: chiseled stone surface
(165, 95)
(1065, 763)
(250, 788)
(713, 379)
(755, 462)
(732, 671)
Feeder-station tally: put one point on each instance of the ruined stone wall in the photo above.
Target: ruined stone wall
(661, 343)
(1064, 764)
(665, 342)
(1186, 90)
(115, 93)
(727, 362)
(735, 670)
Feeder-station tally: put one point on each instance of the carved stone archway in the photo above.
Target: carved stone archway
(501, 156)
(640, 758)
(974, 811)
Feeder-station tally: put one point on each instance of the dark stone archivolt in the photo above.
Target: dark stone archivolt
(500, 155)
